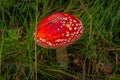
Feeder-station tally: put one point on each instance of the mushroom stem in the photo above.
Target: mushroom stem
(62, 57)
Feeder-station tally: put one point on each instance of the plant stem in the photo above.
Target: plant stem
(62, 57)
(35, 43)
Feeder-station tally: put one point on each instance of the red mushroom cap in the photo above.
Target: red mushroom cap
(58, 30)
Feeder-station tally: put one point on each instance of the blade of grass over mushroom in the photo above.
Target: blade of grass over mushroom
(36, 70)
(45, 24)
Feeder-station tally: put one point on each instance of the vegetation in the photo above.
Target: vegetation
(95, 56)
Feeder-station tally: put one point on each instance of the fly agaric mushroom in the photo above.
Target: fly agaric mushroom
(58, 31)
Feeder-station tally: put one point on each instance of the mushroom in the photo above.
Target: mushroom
(58, 31)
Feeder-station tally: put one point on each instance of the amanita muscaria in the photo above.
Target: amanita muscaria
(58, 31)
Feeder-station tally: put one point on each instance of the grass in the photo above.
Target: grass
(97, 50)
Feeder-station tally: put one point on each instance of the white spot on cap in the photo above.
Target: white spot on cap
(76, 35)
(49, 43)
(61, 18)
(58, 40)
(65, 18)
(70, 28)
(63, 34)
(67, 34)
(69, 38)
(74, 21)
(64, 42)
(77, 32)
(40, 38)
(58, 29)
(70, 19)
(65, 39)
(63, 24)
(54, 45)
(72, 24)
(76, 24)
(43, 40)
(67, 31)
(75, 28)
(81, 31)
(79, 28)
(80, 24)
